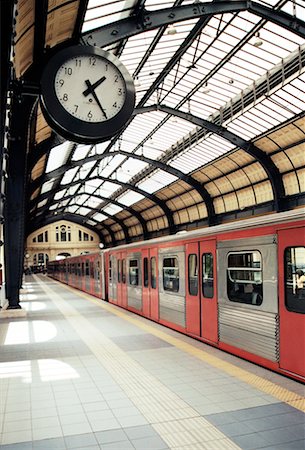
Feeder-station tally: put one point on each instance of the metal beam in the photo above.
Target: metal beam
(167, 212)
(160, 165)
(150, 20)
(265, 161)
(132, 211)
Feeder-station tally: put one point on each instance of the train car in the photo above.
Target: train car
(236, 286)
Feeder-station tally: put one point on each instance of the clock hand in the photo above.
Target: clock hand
(93, 86)
(92, 91)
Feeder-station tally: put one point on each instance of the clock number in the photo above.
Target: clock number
(68, 71)
(76, 108)
(78, 62)
(61, 82)
(120, 91)
(106, 67)
(116, 78)
(92, 61)
(89, 115)
(65, 97)
(115, 105)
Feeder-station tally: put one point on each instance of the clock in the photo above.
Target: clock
(87, 94)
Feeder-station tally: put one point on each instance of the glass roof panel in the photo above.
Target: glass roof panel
(112, 209)
(81, 152)
(130, 198)
(102, 12)
(46, 187)
(58, 156)
(99, 217)
(69, 175)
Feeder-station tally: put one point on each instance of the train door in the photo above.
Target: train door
(291, 253)
(119, 283)
(153, 284)
(192, 288)
(208, 283)
(145, 283)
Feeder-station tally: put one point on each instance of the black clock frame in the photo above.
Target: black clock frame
(72, 128)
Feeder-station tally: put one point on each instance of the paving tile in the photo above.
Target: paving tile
(76, 428)
(149, 443)
(19, 446)
(251, 441)
(140, 431)
(80, 441)
(123, 445)
(235, 429)
(106, 437)
(50, 444)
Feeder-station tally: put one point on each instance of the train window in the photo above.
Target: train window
(134, 272)
(207, 275)
(123, 271)
(193, 274)
(153, 272)
(119, 270)
(294, 264)
(244, 277)
(145, 269)
(171, 274)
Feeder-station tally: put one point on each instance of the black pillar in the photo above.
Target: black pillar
(14, 220)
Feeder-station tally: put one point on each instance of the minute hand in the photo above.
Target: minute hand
(92, 92)
(93, 86)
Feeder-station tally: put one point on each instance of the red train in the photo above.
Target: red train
(238, 286)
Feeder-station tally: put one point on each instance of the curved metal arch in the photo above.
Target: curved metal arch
(128, 208)
(168, 213)
(149, 20)
(118, 221)
(160, 165)
(266, 162)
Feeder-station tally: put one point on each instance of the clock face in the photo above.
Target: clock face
(90, 88)
(87, 94)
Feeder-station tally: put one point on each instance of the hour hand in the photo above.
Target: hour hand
(93, 93)
(93, 86)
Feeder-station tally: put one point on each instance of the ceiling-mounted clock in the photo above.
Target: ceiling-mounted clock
(87, 94)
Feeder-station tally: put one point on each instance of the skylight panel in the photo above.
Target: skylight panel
(81, 152)
(46, 187)
(72, 209)
(58, 156)
(112, 209)
(110, 164)
(69, 175)
(81, 199)
(93, 202)
(130, 198)
(99, 217)
(150, 185)
(107, 189)
(85, 169)
(102, 12)
(42, 203)
(83, 211)
(52, 207)
(59, 194)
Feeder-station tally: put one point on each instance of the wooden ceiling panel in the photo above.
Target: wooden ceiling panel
(43, 131)
(242, 158)
(282, 162)
(266, 144)
(297, 155)
(255, 172)
(287, 135)
(61, 21)
(263, 192)
(246, 197)
(38, 168)
(291, 183)
(24, 39)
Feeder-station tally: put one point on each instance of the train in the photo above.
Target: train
(238, 286)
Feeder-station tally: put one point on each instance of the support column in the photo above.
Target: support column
(14, 219)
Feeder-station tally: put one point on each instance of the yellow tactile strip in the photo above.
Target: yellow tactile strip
(177, 423)
(266, 386)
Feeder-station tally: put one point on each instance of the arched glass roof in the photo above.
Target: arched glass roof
(218, 127)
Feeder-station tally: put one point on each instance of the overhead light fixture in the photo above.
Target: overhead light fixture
(231, 81)
(205, 88)
(258, 42)
(171, 29)
(137, 82)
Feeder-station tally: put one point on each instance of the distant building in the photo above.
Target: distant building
(58, 240)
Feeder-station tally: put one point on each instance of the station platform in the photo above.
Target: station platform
(80, 373)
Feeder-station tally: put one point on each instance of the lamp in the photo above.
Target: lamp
(258, 42)
(171, 29)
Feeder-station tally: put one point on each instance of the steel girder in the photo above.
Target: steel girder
(266, 162)
(149, 20)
